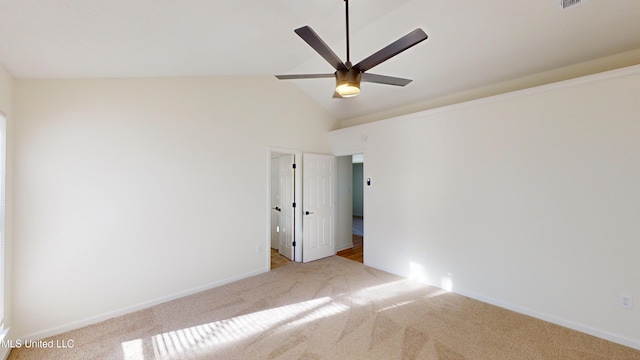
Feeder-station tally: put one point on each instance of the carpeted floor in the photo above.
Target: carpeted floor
(332, 308)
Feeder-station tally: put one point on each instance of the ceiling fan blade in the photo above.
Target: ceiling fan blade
(305, 76)
(310, 37)
(393, 49)
(387, 80)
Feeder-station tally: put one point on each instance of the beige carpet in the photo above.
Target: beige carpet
(329, 309)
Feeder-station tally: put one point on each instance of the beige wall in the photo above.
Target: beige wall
(529, 200)
(6, 91)
(134, 191)
(6, 107)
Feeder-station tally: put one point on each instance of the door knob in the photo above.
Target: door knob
(308, 213)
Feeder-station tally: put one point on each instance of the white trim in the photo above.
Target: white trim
(3, 226)
(141, 306)
(606, 75)
(364, 195)
(387, 270)
(349, 153)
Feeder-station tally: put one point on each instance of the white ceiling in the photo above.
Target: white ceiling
(471, 43)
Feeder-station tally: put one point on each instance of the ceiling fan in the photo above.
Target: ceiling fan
(348, 76)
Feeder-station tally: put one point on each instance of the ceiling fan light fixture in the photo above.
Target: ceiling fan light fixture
(348, 82)
(348, 90)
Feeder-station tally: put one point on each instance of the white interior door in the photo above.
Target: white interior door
(275, 202)
(287, 198)
(319, 206)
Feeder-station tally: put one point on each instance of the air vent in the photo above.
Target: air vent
(569, 3)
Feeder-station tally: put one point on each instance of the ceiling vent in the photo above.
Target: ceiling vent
(569, 3)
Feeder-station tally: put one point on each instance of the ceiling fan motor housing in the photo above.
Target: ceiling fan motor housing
(348, 82)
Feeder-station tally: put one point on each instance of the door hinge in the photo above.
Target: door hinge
(294, 204)
(293, 243)
(294, 166)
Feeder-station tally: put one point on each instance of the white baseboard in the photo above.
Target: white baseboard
(344, 248)
(390, 271)
(554, 319)
(632, 343)
(141, 306)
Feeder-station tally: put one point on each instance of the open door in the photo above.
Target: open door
(319, 211)
(275, 202)
(286, 196)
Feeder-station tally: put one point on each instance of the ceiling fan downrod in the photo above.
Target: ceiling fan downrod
(346, 6)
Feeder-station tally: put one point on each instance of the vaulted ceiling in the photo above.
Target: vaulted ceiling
(471, 43)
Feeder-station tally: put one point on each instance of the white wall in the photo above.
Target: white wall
(344, 223)
(133, 191)
(6, 107)
(529, 200)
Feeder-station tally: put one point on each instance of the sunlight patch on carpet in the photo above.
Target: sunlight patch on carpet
(397, 305)
(198, 338)
(386, 291)
(133, 349)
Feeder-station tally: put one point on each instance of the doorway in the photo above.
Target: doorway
(318, 198)
(351, 207)
(284, 217)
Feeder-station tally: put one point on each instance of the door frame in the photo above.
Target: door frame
(297, 158)
(364, 192)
